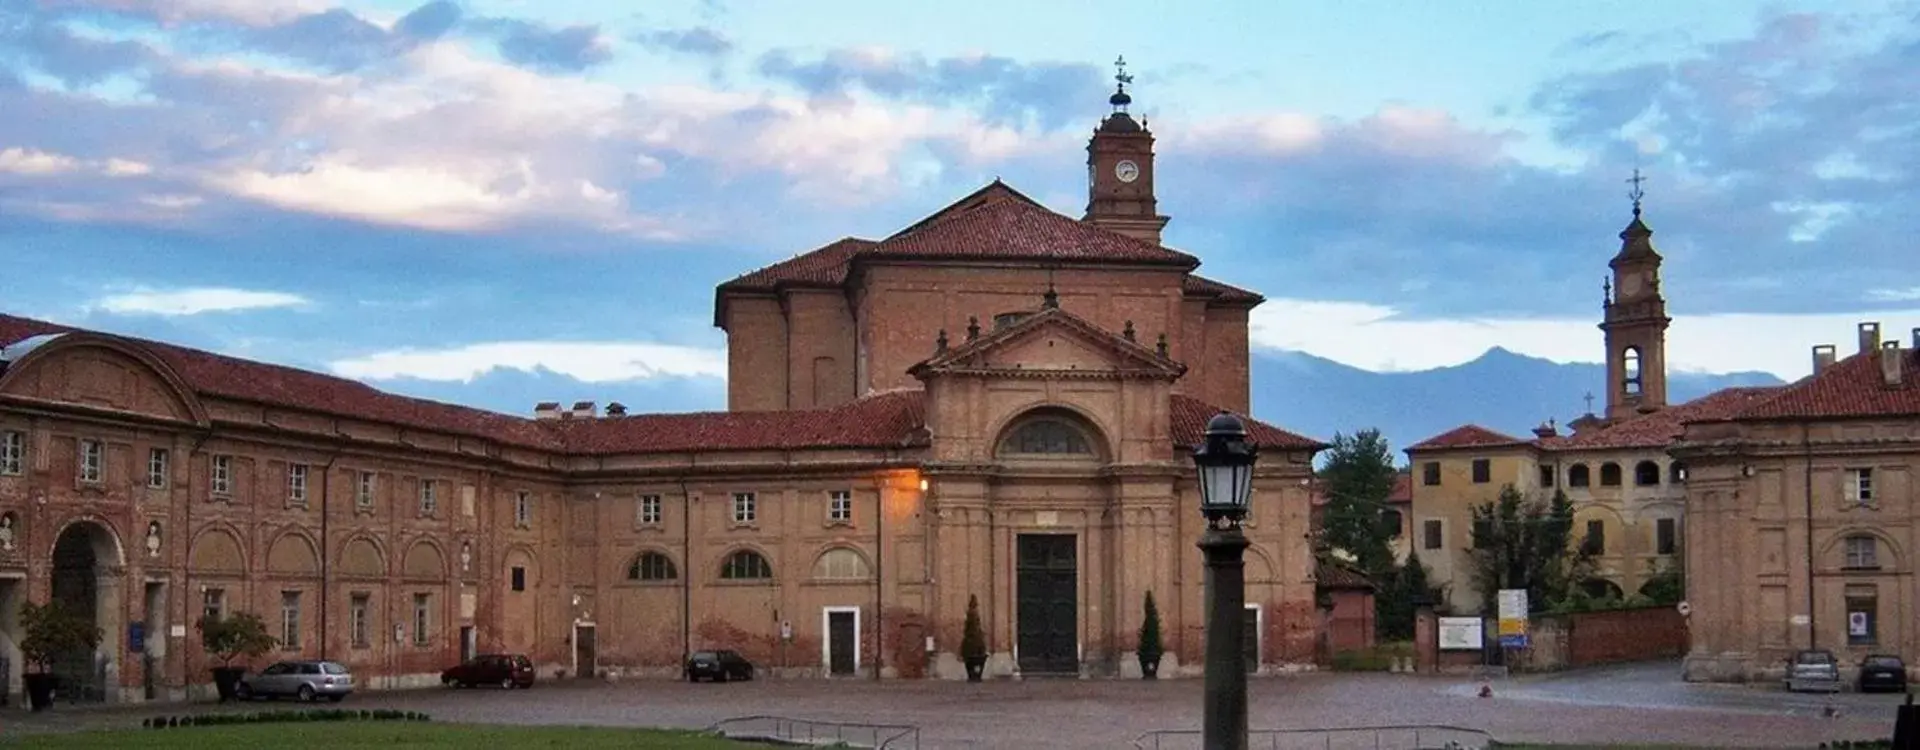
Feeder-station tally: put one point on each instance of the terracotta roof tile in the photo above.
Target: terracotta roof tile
(1189, 418)
(1661, 428)
(1197, 285)
(1332, 575)
(1009, 229)
(1402, 488)
(1852, 387)
(1467, 436)
(892, 419)
(826, 266)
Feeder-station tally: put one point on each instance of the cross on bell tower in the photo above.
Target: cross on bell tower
(1120, 169)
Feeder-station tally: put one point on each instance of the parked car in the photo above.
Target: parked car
(1883, 672)
(718, 665)
(506, 670)
(306, 679)
(1813, 670)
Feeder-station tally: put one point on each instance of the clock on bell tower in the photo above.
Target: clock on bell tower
(1120, 170)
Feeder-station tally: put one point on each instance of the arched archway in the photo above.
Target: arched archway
(85, 581)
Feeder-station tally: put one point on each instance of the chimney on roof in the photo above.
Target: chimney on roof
(585, 410)
(1869, 337)
(616, 409)
(1546, 430)
(546, 410)
(1892, 364)
(1823, 357)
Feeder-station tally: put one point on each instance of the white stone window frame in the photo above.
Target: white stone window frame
(221, 480)
(13, 453)
(297, 484)
(1860, 485)
(93, 460)
(364, 489)
(429, 498)
(422, 620)
(649, 509)
(840, 507)
(290, 620)
(746, 508)
(360, 620)
(159, 461)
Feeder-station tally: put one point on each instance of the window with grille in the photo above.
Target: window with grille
(363, 493)
(649, 510)
(1863, 552)
(297, 484)
(222, 475)
(157, 463)
(652, 566)
(359, 624)
(746, 565)
(290, 620)
(429, 500)
(840, 506)
(92, 457)
(13, 453)
(744, 510)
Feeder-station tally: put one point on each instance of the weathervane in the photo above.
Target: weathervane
(1636, 193)
(1120, 98)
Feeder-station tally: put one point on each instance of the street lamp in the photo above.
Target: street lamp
(1225, 461)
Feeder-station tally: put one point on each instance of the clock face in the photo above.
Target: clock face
(1127, 171)
(1629, 285)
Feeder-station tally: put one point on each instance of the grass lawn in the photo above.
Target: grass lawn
(383, 734)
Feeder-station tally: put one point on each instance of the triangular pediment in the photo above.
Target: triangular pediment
(1052, 342)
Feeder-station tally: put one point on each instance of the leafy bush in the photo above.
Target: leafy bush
(281, 716)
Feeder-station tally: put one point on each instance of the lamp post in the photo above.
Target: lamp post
(1225, 462)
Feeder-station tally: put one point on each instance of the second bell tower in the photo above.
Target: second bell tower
(1120, 170)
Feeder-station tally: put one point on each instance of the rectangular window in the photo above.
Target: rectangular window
(519, 578)
(1430, 530)
(648, 512)
(422, 620)
(1596, 540)
(1482, 471)
(1665, 538)
(523, 509)
(1861, 489)
(363, 493)
(428, 503)
(213, 603)
(840, 506)
(92, 456)
(1430, 473)
(1547, 475)
(1863, 553)
(157, 462)
(743, 507)
(360, 628)
(222, 475)
(13, 453)
(290, 620)
(297, 484)
(1863, 616)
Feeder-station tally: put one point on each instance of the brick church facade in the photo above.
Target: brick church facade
(995, 403)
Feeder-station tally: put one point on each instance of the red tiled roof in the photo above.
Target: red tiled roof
(1332, 575)
(1189, 418)
(826, 266)
(1402, 488)
(893, 419)
(1661, 428)
(1852, 387)
(1467, 436)
(1200, 286)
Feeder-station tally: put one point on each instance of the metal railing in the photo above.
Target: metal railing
(820, 733)
(1398, 737)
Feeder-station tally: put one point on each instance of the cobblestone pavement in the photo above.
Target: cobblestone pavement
(1631, 705)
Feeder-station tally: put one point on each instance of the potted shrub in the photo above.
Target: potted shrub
(228, 638)
(1151, 648)
(50, 631)
(973, 641)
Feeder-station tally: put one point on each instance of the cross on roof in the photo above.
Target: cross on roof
(1589, 400)
(1120, 71)
(1636, 193)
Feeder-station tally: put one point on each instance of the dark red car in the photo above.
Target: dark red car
(506, 670)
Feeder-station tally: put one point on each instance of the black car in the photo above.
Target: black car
(719, 665)
(1883, 672)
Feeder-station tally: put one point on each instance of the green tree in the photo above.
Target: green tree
(1395, 597)
(1523, 543)
(1667, 585)
(1358, 478)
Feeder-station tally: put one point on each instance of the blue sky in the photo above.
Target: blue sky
(505, 201)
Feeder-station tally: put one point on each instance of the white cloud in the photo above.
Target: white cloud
(195, 301)
(586, 361)
(31, 162)
(170, 12)
(1370, 337)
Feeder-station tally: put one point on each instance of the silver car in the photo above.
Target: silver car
(1813, 670)
(306, 680)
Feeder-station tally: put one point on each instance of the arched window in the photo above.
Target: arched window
(746, 565)
(1047, 436)
(1863, 552)
(1646, 473)
(841, 564)
(652, 566)
(1630, 370)
(1578, 476)
(1609, 474)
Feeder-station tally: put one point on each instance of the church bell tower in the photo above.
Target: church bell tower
(1636, 321)
(1120, 170)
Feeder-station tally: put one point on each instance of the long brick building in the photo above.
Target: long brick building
(995, 402)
